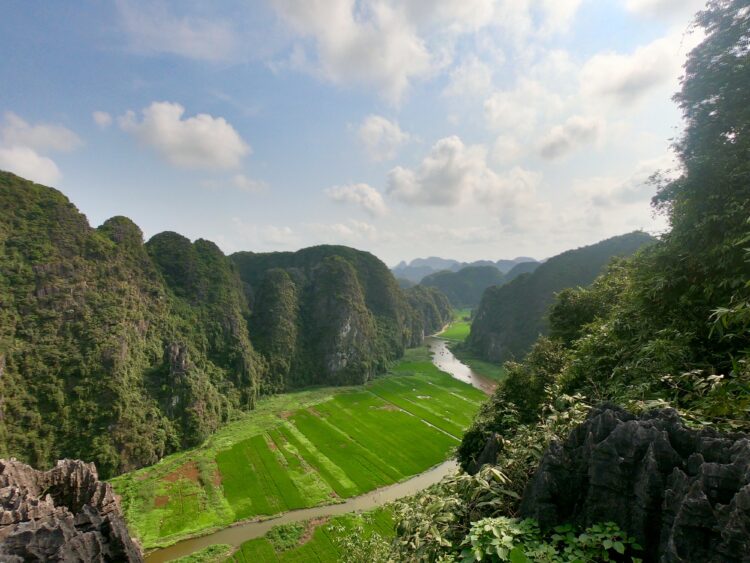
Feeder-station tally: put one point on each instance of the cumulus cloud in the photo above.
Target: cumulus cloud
(202, 141)
(576, 132)
(362, 195)
(371, 44)
(380, 137)
(557, 15)
(388, 44)
(518, 110)
(627, 78)
(454, 173)
(28, 164)
(506, 149)
(152, 28)
(470, 78)
(102, 119)
(664, 9)
(608, 191)
(21, 144)
(45, 136)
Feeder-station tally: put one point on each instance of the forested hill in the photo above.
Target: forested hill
(118, 352)
(332, 313)
(511, 317)
(465, 287)
(419, 268)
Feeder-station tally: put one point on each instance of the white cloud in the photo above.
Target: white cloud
(506, 149)
(454, 173)
(519, 109)
(17, 132)
(371, 44)
(625, 79)
(558, 15)
(457, 15)
(609, 192)
(363, 195)
(21, 144)
(202, 141)
(577, 131)
(664, 9)
(153, 29)
(389, 44)
(380, 137)
(245, 184)
(471, 78)
(445, 177)
(102, 119)
(28, 164)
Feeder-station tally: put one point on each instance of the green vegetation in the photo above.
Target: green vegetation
(493, 370)
(465, 287)
(458, 331)
(303, 449)
(459, 327)
(351, 537)
(508, 539)
(511, 317)
(667, 327)
(120, 352)
(211, 554)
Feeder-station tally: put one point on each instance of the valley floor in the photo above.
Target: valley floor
(303, 449)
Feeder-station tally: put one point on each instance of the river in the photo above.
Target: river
(241, 532)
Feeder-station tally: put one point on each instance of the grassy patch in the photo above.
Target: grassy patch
(459, 329)
(303, 449)
(211, 554)
(319, 543)
(494, 371)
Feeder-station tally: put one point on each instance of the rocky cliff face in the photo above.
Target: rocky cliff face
(684, 494)
(64, 514)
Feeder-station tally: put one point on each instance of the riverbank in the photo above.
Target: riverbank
(330, 446)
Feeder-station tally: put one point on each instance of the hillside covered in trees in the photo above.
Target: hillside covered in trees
(511, 316)
(420, 268)
(465, 287)
(668, 327)
(118, 352)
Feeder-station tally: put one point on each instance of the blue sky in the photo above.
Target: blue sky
(470, 129)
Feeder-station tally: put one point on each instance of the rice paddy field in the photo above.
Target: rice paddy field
(459, 329)
(303, 449)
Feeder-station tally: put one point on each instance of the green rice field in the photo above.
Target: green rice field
(459, 329)
(303, 449)
(318, 541)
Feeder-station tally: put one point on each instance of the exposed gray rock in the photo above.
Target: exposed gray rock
(64, 514)
(684, 494)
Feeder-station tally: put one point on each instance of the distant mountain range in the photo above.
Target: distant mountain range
(419, 268)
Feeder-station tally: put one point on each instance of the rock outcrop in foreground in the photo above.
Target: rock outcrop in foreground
(684, 494)
(64, 514)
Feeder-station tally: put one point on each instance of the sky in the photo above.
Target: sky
(467, 129)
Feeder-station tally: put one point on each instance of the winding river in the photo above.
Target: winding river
(241, 532)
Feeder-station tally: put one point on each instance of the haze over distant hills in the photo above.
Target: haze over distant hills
(416, 270)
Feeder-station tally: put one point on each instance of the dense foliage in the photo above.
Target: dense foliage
(667, 326)
(465, 287)
(511, 317)
(333, 314)
(118, 352)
